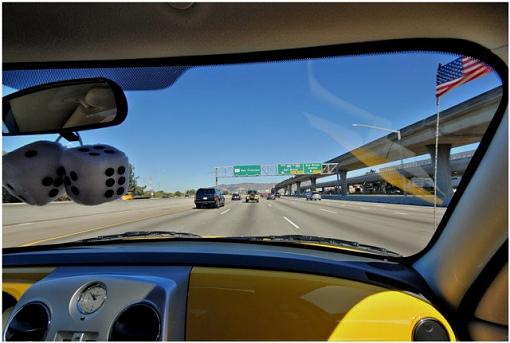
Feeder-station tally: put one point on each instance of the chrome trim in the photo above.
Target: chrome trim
(82, 290)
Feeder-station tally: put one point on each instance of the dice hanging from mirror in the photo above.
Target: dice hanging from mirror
(33, 173)
(95, 174)
(41, 172)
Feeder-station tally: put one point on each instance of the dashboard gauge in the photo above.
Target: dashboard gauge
(92, 298)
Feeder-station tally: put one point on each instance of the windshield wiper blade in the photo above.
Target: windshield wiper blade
(322, 240)
(131, 234)
(274, 238)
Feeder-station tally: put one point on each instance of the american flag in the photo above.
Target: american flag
(457, 72)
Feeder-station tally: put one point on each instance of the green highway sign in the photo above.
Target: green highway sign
(290, 169)
(299, 168)
(249, 170)
(312, 168)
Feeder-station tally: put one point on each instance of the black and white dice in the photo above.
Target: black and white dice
(33, 173)
(95, 174)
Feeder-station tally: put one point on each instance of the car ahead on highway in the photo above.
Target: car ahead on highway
(271, 196)
(209, 197)
(252, 195)
(313, 196)
(128, 196)
(253, 273)
(236, 196)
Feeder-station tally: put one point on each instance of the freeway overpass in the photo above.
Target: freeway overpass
(421, 169)
(460, 125)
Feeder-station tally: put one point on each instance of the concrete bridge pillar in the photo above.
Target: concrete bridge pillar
(289, 189)
(298, 185)
(444, 171)
(314, 183)
(343, 182)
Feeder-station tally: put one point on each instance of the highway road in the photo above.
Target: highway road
(404, 229)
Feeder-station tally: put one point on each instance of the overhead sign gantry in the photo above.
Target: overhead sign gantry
(281, 169)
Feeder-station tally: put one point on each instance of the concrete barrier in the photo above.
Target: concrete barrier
(376, 198)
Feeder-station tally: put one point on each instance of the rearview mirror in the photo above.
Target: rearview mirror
(64, 106)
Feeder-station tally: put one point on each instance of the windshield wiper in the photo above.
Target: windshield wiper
(273, 238)
(321, 240)
(135, 234)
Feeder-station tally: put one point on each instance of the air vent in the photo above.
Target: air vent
(430, 329)
(138, 322)
(30, 323)
(8, 303)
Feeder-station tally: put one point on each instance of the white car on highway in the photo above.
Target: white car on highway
(313, 196)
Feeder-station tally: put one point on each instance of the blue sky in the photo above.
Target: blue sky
(263, 113)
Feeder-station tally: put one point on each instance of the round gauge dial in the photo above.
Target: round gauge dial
(92, 298)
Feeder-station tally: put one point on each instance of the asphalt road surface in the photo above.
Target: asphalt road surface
(404, 229)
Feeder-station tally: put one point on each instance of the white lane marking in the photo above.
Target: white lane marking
(322, 209)
(228, 209)
(363, 208)
(405, 214)
(269, 205)
(21, 224)
(16, 204)
(291, 222)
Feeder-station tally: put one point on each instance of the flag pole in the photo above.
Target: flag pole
(447, 75)
(435, 160)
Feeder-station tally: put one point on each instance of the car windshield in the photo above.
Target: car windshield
(384, 139)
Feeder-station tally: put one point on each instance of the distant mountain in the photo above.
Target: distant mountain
(240, 187)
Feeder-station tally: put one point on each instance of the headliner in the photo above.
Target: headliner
(55, 32)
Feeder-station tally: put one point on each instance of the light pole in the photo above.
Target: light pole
(399, 137)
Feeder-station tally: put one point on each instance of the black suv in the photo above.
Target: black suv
(206, 197)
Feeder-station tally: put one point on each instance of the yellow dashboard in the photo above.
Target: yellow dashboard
(17, 280)
(255, 304)
(269, 305)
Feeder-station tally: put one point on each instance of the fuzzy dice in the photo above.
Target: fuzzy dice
(95, 174)
(33, 173)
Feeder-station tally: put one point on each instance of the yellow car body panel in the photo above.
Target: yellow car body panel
(16, 281)
(245, 304)
(16, 288)
(388, 315)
